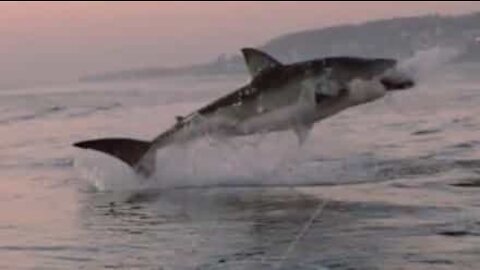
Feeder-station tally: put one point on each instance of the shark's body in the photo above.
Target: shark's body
(279, 97)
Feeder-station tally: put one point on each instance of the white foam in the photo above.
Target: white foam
(426, 63)
(251, 160)
(428, 68)
(104, 173)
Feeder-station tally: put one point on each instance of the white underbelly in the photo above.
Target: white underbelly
(280, 119)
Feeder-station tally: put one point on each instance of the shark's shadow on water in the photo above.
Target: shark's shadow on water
(233, 227)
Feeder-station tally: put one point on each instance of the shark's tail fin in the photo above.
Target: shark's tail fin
(133, 152)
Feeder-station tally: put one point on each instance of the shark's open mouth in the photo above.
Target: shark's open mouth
(393, 84)
(395, 80)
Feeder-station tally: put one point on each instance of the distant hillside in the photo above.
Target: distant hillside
(398, 38)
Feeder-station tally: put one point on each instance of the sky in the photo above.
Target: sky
(60, 41)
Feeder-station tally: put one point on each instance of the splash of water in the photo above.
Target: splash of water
(253, 160)
(425, 64)
(425, 67)
(273, 159)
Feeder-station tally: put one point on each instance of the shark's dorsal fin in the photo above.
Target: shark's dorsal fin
(257, 61)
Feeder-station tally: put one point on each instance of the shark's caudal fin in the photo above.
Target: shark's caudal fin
(129, 151)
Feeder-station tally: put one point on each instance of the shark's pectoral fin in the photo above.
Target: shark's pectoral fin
(307, 97)
(257, 61)
(302, 131)
(307, 106)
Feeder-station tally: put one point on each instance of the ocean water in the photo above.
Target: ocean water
(388, 185)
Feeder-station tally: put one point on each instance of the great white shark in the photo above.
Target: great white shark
(278, 97)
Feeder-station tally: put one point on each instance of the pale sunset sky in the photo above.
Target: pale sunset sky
(60, 41)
